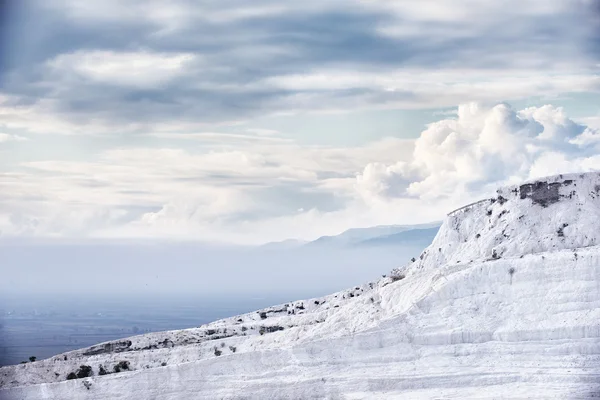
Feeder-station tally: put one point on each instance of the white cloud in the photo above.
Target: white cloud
(224, 138)
(419, 88)
(553, 163)
(380, 181)
(45, 116)
(223, 64)
(5, 137)
(312, 92)
(256, 191)
(229, 195)
(141, 69)
(169, 16)
(485, 147)
(185, 70)
(262, 132)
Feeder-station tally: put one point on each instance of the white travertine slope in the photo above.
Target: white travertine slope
(522, 219)
(505, 303)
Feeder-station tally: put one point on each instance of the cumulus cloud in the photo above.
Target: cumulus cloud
(382, 181)
(484, 147)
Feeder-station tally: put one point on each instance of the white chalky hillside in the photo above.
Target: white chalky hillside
(505, 303)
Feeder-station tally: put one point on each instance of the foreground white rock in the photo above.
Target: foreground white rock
(505, 303)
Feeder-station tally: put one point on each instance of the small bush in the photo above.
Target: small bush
(270, 329)
(398, 277)
(163, 364)
(218, 352)
(32, 358)
(232, 348)
(71, 375)
(121, 366)
(102, 370)
(561, 230)
(84, 371)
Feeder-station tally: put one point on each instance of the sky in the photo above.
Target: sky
(248, 122)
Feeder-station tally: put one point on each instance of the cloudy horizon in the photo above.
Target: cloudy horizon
(225, 122)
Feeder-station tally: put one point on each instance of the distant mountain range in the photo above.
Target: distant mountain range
(423, 236)
(382, 235)
(284, 244)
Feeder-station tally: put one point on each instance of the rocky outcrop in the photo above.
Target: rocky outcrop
(548, 214)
